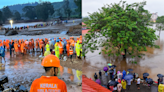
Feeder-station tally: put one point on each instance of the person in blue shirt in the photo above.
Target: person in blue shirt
(11, 48)
(65, 43)
(2, 52)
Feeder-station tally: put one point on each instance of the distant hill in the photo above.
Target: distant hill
(19, 7)
(56, 5)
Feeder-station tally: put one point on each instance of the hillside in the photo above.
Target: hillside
(56, 5)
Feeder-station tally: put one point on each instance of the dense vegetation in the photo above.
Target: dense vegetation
(123, 27)
(66, 8)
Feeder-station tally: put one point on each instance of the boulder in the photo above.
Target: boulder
(2, 32)
(31, 33)
(11, 32)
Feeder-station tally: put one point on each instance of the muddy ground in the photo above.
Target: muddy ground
(73, 29)
(25, 69)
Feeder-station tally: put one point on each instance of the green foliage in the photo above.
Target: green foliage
(17, 15)
(30, 12)
(160, 19)
(44, 10)
(159, 27)
(1, 16)
(6, 13)
(123, 26)
(67, 9)
(78, 3)
(85, 19)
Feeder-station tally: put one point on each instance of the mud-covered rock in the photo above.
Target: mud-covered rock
(2, 32)
(11, 32)
(32, 33)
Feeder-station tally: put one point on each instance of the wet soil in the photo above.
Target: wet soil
(25, 69)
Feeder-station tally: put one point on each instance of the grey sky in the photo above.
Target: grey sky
(93, 5)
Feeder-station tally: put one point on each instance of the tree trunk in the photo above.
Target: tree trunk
(124, 56)
(159, 33)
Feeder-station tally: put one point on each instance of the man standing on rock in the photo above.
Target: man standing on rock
(50, 82)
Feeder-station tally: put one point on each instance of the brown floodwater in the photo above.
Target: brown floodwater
(152, 62)
(25, 69)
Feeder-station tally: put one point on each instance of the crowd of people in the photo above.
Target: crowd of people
(122, 80)
(57, 46)
(57, 22)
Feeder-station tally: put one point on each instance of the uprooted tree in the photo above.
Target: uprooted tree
(123, 29)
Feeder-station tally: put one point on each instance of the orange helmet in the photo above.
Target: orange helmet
(80, 40)
(51, 61)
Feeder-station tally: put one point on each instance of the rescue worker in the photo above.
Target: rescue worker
(36, 45)
(22, 48)
(16, 47)
(47, 52)
(1, 44)
(47, 46)
(71, 53)
(4, 44)
(57, 53)
(67, 47)
(80, 43)
(78, 49)
(50, 82)
(65, 43)
(2, 52)
(161, 87)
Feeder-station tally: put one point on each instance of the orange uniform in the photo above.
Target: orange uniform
(4, 43)
(71, 52)
(1, 44)
(67, 47)
(7, 44)
(19, 43)
(48, 84)
(36, 44)
(32, 43)
(16, 47)
(60, 47)
(22, 47)
(72, 43)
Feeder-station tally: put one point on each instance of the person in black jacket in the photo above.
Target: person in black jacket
(100, 73)
(95, 76)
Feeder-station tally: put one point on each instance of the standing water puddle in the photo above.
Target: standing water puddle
(25, 69)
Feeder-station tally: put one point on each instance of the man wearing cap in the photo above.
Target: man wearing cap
(50, 82)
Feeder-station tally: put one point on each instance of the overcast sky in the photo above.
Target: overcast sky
(12, 2)
(92, 5)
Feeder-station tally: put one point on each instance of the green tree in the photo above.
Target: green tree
(159, 27)
(160, 19)
(67, 9)
(29, 12)
(44, 10)
(6, 13)
(78, 3)
(59, 13)
(85, 19)
(1, 17)
(123, 27)
(17, 15)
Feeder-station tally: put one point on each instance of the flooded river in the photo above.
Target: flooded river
(151, 63)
